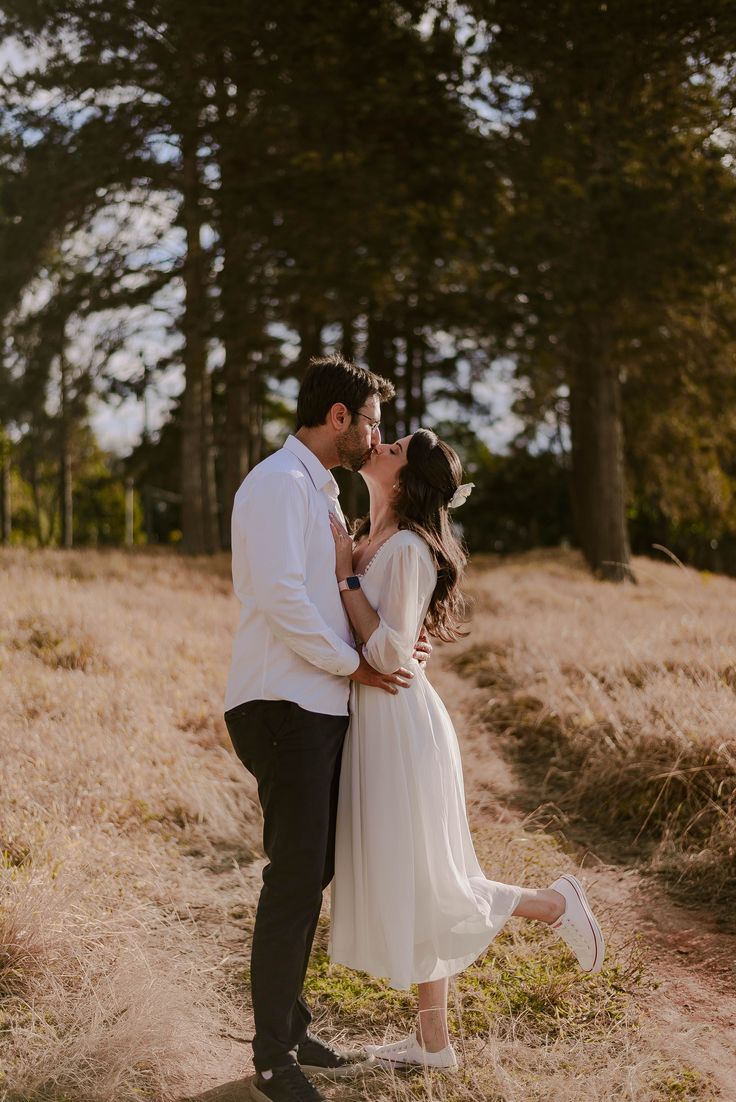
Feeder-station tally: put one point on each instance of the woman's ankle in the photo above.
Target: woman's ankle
(432, 1042)
(558, 904)
(540, 905)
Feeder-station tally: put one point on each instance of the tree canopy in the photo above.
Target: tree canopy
(434, 191)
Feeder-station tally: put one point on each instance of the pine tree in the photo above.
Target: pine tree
(620, 209)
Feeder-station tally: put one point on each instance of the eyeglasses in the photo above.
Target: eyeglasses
(375, 425)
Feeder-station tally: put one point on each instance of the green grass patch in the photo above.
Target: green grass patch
(543, 996)
(54, 649)
(685, 1084)
(355, 997)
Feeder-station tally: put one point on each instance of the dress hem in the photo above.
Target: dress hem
(450, 970)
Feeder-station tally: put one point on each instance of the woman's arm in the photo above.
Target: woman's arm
(361, 612)
(388, 640)
(363, 615)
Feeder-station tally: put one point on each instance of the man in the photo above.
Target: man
(287, 700)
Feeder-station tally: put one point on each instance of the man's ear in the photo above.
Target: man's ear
(339, 417)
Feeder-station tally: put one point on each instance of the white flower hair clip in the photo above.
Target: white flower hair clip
(461, 495)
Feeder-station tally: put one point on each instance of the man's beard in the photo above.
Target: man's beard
(351, 452)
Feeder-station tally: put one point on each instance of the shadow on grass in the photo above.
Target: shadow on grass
(234, 1091)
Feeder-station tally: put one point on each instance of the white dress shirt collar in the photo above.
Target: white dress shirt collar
(321, 477)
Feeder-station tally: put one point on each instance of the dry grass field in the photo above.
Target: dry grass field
(598, 728)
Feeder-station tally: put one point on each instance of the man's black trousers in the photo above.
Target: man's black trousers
(295, 757)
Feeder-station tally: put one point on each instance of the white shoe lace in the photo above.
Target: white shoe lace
(395, 1048)
(410, 1050)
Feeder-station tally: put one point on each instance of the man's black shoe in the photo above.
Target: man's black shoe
(287, 1084)
(318, 1058)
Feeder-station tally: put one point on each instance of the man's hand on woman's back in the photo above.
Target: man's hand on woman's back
(422, 648)
(389, 682)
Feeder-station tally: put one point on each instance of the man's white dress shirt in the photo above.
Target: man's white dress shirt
(293, 640)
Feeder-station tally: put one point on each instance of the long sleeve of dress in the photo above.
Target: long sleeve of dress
(409, 580)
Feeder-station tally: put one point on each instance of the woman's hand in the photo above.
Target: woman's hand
(343, 549)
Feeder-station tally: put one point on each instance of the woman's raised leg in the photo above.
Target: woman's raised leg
(542, 904)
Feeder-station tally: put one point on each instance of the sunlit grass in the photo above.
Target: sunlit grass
(619, 703)
(110, 775)
(128, 829)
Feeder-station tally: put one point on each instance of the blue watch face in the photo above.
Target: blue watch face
(353, 582)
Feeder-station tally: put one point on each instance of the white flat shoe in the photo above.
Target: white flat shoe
(578, 927)
(408, 1053)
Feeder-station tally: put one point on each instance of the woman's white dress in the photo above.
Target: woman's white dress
(410, 902)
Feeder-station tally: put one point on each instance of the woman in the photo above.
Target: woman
(410, 902)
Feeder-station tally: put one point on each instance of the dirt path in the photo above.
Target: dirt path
(694, 1005)
(692, 959)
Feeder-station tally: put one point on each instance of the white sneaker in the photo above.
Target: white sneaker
(408, 1053)
(577, 926)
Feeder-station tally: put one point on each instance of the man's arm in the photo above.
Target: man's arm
(269, 528)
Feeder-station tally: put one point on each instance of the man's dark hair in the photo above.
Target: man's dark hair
(331, 379)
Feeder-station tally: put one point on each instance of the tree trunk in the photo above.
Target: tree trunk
(236, 444)
(310, 333)
(66, 501)
(207, 467)
(33, 482)
(420, 400)
(199, 505)
(599, 491)
(6, 511)
(348, 340)
(256, 403)
(129, 512)
(410, 376)
(236, 332)
(380, 360)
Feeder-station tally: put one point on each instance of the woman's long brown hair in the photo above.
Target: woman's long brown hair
(426, 483)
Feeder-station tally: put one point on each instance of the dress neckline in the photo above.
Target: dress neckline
(377, 552)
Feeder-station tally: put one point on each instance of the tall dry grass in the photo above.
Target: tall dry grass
(122, 808)
(115, 766)
(621, 701)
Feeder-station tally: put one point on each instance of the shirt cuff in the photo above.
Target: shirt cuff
(351, 664)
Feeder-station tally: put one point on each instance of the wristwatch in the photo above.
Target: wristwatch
(353, 582)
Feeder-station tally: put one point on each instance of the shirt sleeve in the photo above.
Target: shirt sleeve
(408, 583)
(269, 528)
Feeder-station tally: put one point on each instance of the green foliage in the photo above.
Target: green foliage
(545, 182)
(98, 492)
(519, 501)
(618, 243)
(99, 517)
